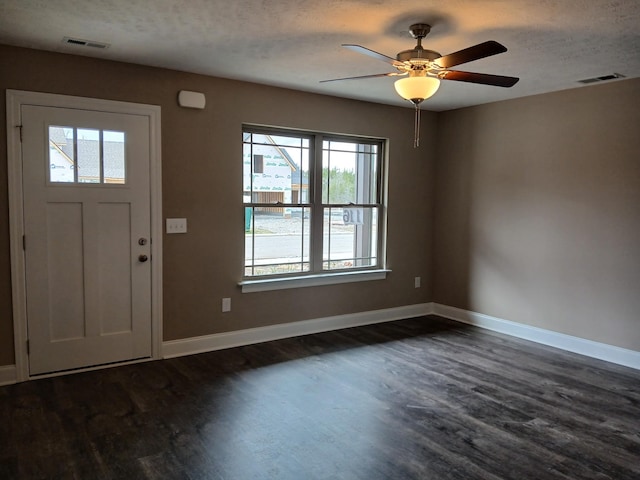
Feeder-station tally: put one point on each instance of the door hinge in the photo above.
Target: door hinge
(24, 242)
(28, 348)
(20, 127)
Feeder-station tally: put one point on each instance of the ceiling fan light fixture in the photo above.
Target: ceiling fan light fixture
(417, 89)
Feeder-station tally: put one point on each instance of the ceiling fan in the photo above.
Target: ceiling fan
(423, 69)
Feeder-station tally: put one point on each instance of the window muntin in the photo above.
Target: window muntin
(86, 156)
(316, 207)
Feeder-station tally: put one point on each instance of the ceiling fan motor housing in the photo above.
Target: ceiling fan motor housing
(418, 57)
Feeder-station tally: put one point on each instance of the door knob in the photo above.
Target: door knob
(143, 258)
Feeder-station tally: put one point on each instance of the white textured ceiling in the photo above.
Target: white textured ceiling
(296, 43)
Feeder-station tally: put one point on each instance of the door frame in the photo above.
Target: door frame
(15, 100)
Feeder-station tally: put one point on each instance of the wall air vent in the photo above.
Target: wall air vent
(602, 78)
(84, 43)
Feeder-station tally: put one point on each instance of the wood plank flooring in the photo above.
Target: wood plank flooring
(421, 398)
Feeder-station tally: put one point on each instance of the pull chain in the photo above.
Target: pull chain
(416, 137)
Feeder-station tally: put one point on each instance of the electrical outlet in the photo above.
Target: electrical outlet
(176, 225)
(416, 282)
(226, 304)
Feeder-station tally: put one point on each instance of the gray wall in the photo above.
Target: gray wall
(528, 212)
(202, 181)
(538, 211)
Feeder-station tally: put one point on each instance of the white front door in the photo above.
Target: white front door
(87, 237)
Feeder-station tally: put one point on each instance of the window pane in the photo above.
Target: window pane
(279, 140)
(300, 176)
(350, 238)
(340, 146)
(88, 142)
(274, 173)
(349, 173)
(277, 242)
(114, 157)
(61, 156)
(246, 172)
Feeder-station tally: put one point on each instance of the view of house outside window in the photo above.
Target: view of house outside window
(313, 203)
(86, 155)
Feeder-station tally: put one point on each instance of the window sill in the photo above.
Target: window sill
(265, 285)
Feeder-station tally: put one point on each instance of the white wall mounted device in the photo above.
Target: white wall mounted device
(189, 99)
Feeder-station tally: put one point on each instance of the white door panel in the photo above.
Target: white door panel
(86, 205)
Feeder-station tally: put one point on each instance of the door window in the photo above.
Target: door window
(86, 155)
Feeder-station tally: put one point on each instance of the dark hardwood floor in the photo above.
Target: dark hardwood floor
(414, 399)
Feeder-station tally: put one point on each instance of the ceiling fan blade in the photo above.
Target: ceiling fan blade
(371, 53)
(470, 54)
(392, 74)
(482, 78)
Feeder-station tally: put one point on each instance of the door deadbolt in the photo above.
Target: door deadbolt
(142, 241)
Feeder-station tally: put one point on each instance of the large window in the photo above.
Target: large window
(313, 203)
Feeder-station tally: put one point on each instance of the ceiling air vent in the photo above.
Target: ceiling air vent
(602, 78)
(84, 43)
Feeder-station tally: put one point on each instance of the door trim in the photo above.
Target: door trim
(15, 100)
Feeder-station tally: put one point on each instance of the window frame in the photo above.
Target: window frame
(380, 205)
(317, 275)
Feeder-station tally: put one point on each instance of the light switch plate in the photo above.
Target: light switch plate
(176, 225)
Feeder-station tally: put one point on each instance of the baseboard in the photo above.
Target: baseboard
(589, 348)
(219, 341)
(8, 375)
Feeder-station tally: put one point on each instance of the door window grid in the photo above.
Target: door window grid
(86, 156)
